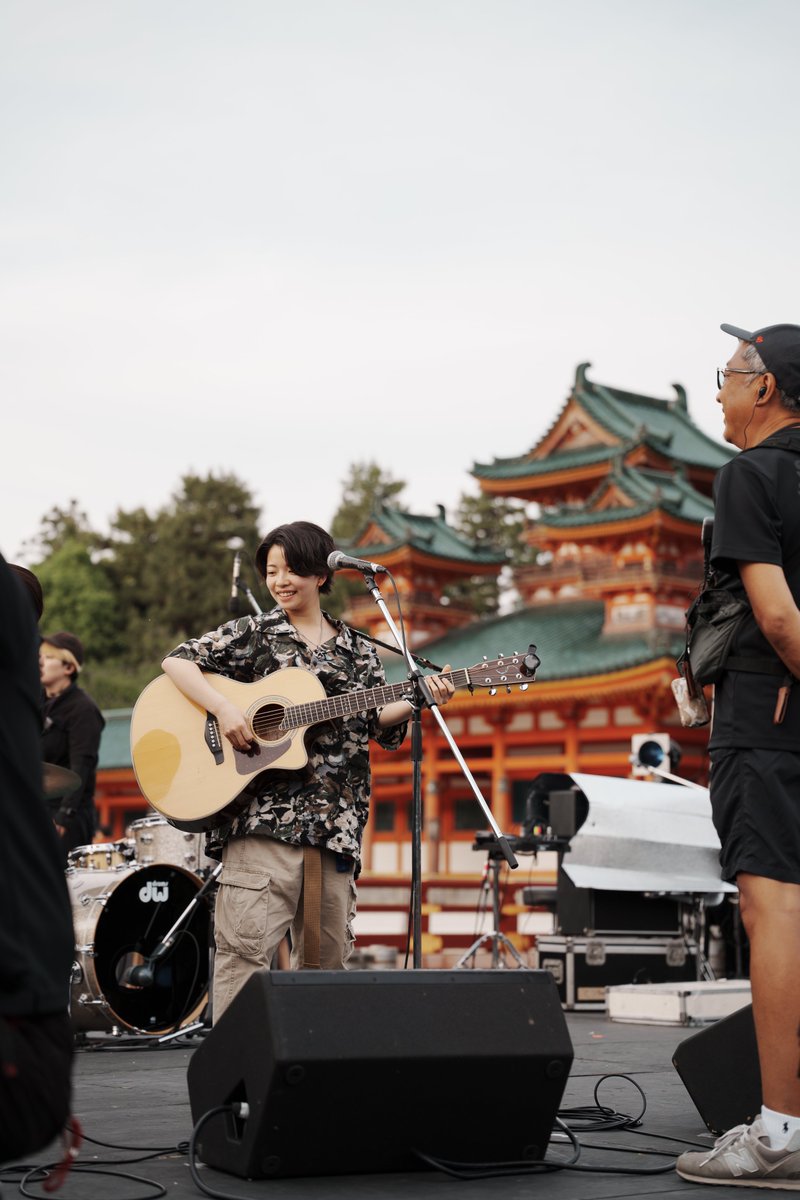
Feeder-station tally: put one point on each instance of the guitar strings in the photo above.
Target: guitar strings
(269, 722)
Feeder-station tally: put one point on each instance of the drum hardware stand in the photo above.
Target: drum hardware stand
(186, 1031)
(496, 937)
(694, 926)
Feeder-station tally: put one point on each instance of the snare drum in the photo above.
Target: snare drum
(120, 917)
(99, 856)
(156, 841)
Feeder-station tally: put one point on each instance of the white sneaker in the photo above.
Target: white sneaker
(744, 1156)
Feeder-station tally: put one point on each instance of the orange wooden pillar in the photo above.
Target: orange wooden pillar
(431, 822)
(501, 792)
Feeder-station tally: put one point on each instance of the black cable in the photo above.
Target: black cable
(198, 958)
(589, 1118)
(44, 1173)
(24, 1174)
(199, 1183)
(481, 1170)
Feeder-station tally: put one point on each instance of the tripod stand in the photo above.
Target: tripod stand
(499, 941)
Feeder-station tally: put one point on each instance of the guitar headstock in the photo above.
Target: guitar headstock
(506, 671)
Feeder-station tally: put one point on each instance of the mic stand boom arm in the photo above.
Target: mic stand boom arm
(423, 691)
(166, 942)
(142, 975)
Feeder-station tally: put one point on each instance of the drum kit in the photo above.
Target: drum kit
(142, 925)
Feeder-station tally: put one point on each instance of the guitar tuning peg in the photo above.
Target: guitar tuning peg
(486, 658)
(508, 689)
(492, 691)
(523, 687)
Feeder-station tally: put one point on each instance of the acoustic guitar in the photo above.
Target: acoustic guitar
(194, 777)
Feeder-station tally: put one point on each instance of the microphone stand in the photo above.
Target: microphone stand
(251, 600)
(423, 695)
(143, 974)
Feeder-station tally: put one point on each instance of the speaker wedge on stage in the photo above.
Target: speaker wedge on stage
(720, 1071)
(347, 1072)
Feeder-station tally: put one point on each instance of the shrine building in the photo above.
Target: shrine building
(616, 491)
(621, 484)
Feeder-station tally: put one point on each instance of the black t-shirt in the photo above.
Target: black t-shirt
(36, 940)
(757, 519)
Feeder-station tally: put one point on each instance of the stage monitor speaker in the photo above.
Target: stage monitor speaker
(347, 1072)
(719, 1069)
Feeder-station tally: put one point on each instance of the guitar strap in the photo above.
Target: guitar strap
(312, 906)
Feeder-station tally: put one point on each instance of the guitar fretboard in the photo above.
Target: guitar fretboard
(352, 702)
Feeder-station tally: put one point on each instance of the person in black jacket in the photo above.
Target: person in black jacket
(36, 938)
(72, 724)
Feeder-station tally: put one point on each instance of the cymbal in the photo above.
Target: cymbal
(58, 781)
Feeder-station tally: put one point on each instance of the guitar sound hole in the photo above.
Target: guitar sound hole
(267, 723)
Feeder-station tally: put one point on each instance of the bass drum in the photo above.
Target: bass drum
(120, 917)
(154, 840)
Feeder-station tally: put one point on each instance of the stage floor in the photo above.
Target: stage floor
(132, 1093)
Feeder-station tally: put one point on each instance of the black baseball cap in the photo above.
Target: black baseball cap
(779, 348)
(69, 644)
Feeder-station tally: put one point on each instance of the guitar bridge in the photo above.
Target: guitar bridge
(212, 738)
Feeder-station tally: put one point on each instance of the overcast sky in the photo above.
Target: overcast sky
(274, 238)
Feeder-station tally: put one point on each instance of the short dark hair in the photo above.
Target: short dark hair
(306, 547)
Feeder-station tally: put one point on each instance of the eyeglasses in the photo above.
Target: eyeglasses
(724, 372)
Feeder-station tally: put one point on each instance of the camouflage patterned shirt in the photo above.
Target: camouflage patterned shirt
(326, 803)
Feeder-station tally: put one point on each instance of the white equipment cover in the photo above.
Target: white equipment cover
(644, 837)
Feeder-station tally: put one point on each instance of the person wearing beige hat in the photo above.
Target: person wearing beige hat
(71, 728)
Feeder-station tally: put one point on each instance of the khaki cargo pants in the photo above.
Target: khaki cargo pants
(260, 897)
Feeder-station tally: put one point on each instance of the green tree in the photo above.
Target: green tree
(172, 571)
(363, 491)
(152, 581)
(489, 523)
(60, 525)
(79, 596)
(365, 488)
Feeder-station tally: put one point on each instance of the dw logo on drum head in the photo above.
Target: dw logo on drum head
(154, 891)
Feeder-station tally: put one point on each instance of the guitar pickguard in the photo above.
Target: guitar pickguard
(258, 757)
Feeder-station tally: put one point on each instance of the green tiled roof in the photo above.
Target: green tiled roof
(509, 468)
(663, 425)
(115, 743)
(568, 638)
(427, 534)
(648, 490)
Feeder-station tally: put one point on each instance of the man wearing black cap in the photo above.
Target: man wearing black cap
(755, 739)
(72, 725)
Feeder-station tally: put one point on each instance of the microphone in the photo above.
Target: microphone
(337, 561)
(233, 603)
(143, 974)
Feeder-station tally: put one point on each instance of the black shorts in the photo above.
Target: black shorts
(755, 803)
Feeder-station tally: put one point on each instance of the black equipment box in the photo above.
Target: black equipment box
(582, 911)
(583, 967)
